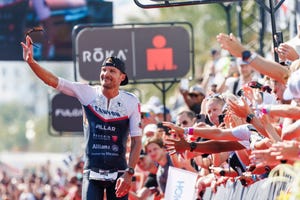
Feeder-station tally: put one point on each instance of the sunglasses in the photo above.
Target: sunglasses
(255, 84)
(34, 30)
(264, 88)
(184, 123)
(194, 95)
(215, 96)
(145, 115)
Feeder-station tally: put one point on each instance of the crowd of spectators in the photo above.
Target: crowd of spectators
(43, 182)
(238, 123)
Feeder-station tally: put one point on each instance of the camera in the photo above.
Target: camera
(200, 118)
(278, 38)
(165, 128)
(221, 118)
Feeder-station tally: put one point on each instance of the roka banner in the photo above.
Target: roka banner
(148, 52)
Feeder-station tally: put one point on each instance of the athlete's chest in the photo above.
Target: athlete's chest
(109, 109)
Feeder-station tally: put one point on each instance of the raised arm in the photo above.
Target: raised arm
(264, 66)
(43, 74)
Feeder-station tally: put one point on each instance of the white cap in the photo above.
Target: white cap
(150, 128)
(293, 86)
(196, 89)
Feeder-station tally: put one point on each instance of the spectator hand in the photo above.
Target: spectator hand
(174, 128)
(231, 44)
(286, 150)
(286, 52)
(262, 158)
(179, 146)
(241, 108)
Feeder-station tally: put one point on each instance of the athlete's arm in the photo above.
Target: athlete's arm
(43, 74)
(136, 145)
(135, 131)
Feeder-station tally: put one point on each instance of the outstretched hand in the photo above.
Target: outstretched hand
(176, 146)
(231, 44)
(174, 128)
(240, 108)
(27, 49)
(286, 52)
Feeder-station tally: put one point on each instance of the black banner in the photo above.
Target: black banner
(66, 114)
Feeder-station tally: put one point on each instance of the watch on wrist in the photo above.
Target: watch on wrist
(248, 56)
(130, 171)
(193, 146)
(250, 117)
(222, 173)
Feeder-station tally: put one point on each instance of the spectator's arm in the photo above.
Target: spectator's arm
(262, 65)
(291, 131)
(282, 110)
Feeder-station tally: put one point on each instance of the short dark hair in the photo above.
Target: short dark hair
(189, 113)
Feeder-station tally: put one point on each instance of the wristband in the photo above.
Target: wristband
(254, 177)
(188, 131)
(222, 173)
(185, 131)
(266, 110)
(191, 131)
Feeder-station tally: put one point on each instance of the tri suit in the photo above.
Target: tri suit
(106, 126)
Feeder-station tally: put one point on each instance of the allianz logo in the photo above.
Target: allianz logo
(75, 112)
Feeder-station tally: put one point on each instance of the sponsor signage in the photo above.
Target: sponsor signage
(66, 114)
(149, 52)
(180, 184)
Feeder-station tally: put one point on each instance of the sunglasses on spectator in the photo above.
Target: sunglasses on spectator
(194, 95)
(184, 123)
(264, 88)
(255, 84)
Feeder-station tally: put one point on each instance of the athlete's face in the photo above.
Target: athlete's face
(111, 77)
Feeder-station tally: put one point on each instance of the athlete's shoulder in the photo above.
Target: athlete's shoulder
(128, 95)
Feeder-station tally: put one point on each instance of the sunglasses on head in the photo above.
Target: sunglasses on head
(264, 88)
(255, 84)
(34, 30)
(215, 96)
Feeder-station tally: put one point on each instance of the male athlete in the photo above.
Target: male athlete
(110, 115)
